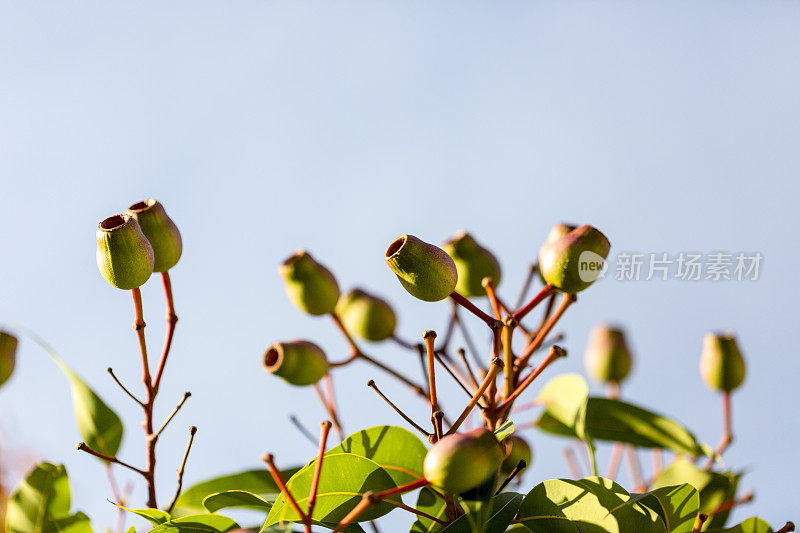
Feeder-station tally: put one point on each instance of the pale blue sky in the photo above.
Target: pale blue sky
(264, 127)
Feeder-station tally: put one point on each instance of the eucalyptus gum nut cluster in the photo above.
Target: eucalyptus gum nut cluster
(426, 271)
(572, 262)
(309, 285)
(473, 263)
(160, 230)
(458, 463)
(607, 358)
(124, 255)
(8, 355)
(516, 450)
(298, 362)
(367, 316)
(721, 363)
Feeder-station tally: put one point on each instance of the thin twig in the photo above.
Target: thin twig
(269, 459)
(456, 378)
(330, 409)
(129, 393)
(727, 434)
(312, 495)
(369, 498)
(497, 365)
(371, 384)
(82, 446)
(186, 396)
(192, 431)
(488, 285)
(528, 307)
(517, 469)
(526, 353)
(172, 319)
(572, 462)
(462, 354)
(302, 429)
(615, 460)
(526, 285)
(469, 306)
(555, 353)
(468, 341)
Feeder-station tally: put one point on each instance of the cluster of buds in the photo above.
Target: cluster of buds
(460, 269)
(133, 245)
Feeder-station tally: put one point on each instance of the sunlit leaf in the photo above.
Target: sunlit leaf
(397, 450)
(505, 430)
(344, 478)
(590, 505)
(203, 523)
(714, 488)
(677, 506)
(492, 517)
(751, 525)
(43, 496)
(235, 498)
(77, 523)
(432, 504)
(154, 516)
(257, 481)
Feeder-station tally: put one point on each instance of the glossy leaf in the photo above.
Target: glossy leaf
(751, 525)
(77, 523)
(42, 497)
(714, 488)
(98, 424)
(505, 430)
(235, 498)
(569, 412)
(429, 503)
(677, 506)
(492, 517)
(154, 516)
(202, 523)
(343, 479)
(397, 450)
(590, 505)
(257, 481)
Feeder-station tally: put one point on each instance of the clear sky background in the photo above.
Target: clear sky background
(265, 126)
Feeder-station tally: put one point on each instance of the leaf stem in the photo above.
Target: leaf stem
(469, 306)
(172, 319)
(312, 495)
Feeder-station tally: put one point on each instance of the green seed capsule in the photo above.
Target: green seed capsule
(556, 232)
(424, 270)
(8, 355)
(461, 462)
(721, 363)
(309, 285)
(607, 358)
(160, 230)
(574, 261)
(516, 450)
(366, 316)
(473, 263)
(297, 362)
(124, 255)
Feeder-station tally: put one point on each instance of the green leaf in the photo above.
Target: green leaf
(714, 488)
(492, 517)
(751, 525)
(257, 481)
(77, 523)
(98, 424)
(235, 498)
(590, 505)
(429, 503)
(505, 430)
(154, 516)
(396, 449)
(42, 497)
(344, 477)
(569, 412)
(202, 523)
(677, 506)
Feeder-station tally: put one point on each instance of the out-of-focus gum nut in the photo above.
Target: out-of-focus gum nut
(556, 232)
(8, 355)
(458, 463)
(721, 363)
(366, 316)
(298, 362)
(424, 270)
(607, 358)
(160, 230)
(574, 261)
(516, 450)
(309, 285)
(124, 255)
(473, 263)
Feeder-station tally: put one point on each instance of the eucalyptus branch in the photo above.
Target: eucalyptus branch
(370, 498)
(526, 353)
(129, 393)
(82, 446)
(469, 306)
(526, 284)
(555, 353)
(186, 396)
(497, 365)
(371, 384)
